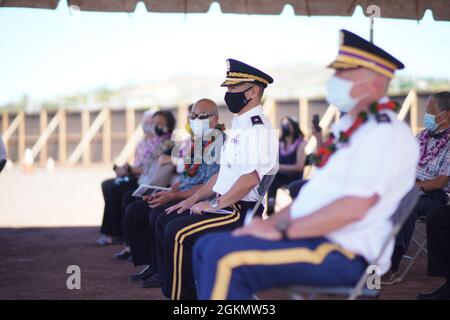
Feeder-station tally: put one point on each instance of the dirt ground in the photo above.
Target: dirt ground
(33, 264)
(41, 235)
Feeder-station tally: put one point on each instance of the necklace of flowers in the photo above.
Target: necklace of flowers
(190, 169)
(427, 155)
(330, 146)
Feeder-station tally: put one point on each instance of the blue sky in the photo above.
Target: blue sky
(47, 53)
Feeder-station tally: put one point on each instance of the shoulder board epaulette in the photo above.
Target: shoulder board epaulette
(256, 120)
(382, 118)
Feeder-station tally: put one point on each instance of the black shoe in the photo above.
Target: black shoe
(153, 282)
(443, 293)
(144, 274)
(123, 255)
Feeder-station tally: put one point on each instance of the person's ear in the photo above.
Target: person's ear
(253, 92)
(214, 121)
(445, 116)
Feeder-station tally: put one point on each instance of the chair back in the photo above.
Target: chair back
(262, 189)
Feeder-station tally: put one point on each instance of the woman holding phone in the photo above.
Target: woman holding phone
(291, 158)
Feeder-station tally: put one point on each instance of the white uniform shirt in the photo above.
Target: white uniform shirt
(251, 145)
(381, 158)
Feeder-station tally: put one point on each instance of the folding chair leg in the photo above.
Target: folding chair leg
(410, 264)
(356, 292)
(421, 245)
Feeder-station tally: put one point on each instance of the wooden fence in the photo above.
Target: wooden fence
(94, 127)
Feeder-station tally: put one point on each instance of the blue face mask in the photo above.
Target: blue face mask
(429, 121)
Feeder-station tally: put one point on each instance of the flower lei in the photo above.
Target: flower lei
(330, 146)
(190, 170)
(427, 155)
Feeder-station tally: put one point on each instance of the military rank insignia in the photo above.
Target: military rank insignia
(256, 120)
(382, 117)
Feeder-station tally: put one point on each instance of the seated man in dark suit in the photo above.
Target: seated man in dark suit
(438, 238)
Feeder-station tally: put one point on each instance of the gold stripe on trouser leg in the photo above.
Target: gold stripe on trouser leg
(236, 259)
(180, 255)
(175, 251)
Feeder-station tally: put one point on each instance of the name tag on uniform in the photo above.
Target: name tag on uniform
(235, 140)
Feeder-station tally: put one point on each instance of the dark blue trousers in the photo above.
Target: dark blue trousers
(227, 267)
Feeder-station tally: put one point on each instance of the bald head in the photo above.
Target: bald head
(205, 106)
(209, 107)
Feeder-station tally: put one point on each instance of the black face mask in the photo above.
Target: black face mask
(285, 131)
(236, 100)
(159, 131)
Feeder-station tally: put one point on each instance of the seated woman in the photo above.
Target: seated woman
(158, 129)
(2, 155)
(432, 175)
(291, 158)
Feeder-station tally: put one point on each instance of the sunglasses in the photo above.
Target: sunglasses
(200, 116)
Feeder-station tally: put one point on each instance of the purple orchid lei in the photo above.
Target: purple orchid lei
(428, 155)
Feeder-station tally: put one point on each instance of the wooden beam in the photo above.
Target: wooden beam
(303, 115)
(43, 121)
(21, 142)
(130, 118)
(62, 136)
(85, 124)
(270, 109)
(85, 141)
(182, 115)
(406, 106)
(8, 132)
(410, 105)
(130, 127)
(5, 123)
(106, 137)
(414, 117)
(130, 146)
(46, 132)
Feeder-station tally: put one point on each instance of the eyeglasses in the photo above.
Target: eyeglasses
(200, 116)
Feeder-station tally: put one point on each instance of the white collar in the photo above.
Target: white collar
(244, 118)
(384, 99)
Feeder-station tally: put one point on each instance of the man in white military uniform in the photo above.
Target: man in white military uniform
(341, 217)
(250, 152)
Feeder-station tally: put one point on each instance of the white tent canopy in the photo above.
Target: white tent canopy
(401, 9)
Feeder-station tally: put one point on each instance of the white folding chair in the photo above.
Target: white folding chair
(421, 246)
(263, 187)
(398, 218)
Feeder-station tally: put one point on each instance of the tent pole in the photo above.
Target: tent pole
(371, 29)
